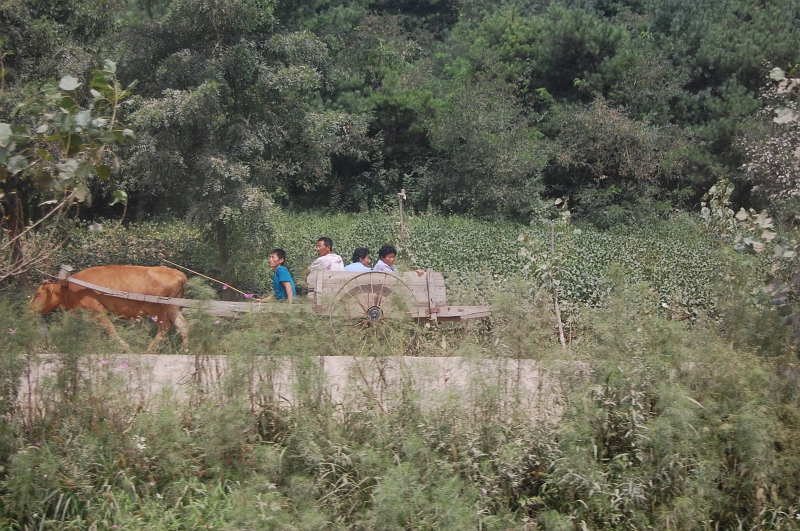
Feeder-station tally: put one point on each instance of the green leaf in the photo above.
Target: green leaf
(64, 124)
(35, 108)
(5, 134)
(68, 104)
(108, 138)
(110, 66)
(76, 145)
(21, 134)
(83, 195)
(101, 84)
(84, 169)
(51, 89)
(16, 164)
(119, 197)
(45, 155)
(69, 83)
(42, 129)
(43, 179)
(104, 172)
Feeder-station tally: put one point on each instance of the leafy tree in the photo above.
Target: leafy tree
(575, 46)
(647, 81)
(60, 147)
(774, 165)
(610, 163)
(486, 160)
(233, 116)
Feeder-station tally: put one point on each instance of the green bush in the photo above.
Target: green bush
(146, 244)
(652, 424)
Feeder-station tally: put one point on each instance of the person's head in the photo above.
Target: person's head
(361, 254)
(277, 257)
(388, 254)
(324, 246)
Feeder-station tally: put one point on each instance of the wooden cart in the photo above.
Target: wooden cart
(367, 311)
(380, 312)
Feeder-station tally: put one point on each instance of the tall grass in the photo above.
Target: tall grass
(674, 407)
(646, 423)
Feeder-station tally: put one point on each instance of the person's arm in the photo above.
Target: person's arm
(289, 294)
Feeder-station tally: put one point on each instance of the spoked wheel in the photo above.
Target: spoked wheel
(374, 314)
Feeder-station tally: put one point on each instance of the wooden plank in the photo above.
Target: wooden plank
(230, 309)
(464, 313)
(211, 305)
(318, 293)
(453, 313)
(134, 296)
(432, 308)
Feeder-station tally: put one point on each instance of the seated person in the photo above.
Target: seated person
(361, 261)
(387, 255)
(327, 260)
(282, 282)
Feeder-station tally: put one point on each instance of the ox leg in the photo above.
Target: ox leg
(163, 328)
(108, 326)
(177, 319)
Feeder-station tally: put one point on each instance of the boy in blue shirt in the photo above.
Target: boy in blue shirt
(282, 283)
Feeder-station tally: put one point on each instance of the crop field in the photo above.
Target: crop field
(680, 262)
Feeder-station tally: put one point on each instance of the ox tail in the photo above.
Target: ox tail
(184, 283)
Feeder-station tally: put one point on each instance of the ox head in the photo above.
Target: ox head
(47, 298)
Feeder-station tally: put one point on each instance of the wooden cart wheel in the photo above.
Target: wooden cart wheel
(374, 314)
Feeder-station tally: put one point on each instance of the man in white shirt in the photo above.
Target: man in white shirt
(361, 261)
(327, 260)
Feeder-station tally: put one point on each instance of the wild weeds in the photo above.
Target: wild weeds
(644, 422)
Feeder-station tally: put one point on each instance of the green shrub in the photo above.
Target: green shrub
(147, 244)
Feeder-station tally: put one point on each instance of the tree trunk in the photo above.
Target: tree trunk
(16, 224)
(227, 270)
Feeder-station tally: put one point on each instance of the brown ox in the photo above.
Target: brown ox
(159, 281)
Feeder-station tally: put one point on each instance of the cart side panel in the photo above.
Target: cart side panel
(332, 282)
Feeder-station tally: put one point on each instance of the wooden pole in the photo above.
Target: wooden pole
(225, 285)
(555, 288)
(400, 197)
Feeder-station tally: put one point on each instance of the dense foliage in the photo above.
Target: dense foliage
(474, 108)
